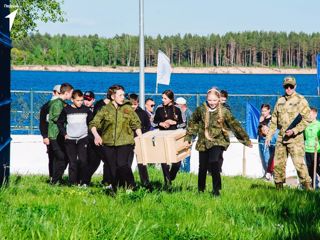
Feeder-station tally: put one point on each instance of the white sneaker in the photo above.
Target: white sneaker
(129, 191)
(269, 176)
(108, 187)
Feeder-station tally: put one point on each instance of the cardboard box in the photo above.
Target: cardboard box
(162, 147)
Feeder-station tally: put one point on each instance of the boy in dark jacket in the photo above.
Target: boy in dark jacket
(95, 155)
(145, 127)
(73, 125)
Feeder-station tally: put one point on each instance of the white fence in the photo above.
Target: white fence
(28, 156)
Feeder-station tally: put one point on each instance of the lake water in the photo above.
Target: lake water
(25, 115)
(180, 83)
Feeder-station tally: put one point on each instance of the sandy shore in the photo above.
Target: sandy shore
(204, 70)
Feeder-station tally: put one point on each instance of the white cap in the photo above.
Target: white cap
(181, 100)
(57, 88)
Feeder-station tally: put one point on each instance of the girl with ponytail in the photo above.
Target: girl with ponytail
(210, 121)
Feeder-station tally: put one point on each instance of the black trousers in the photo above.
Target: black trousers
(50, 157)
(310, 164)
(117, 158)
(95, 155)
(143, 171)
(60, 160)
(170, 174)
(143, 174)
(221, 162)
(210, 160)
(78, 165)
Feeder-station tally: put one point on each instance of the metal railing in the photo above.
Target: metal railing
(25, 106)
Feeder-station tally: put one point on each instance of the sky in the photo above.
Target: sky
(169, 17)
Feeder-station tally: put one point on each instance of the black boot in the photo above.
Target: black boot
(307, 186)
(147, 185)
(167, 183)
(216, 193)
(279, 186)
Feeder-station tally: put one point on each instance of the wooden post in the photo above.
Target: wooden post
(315, 162)
(244, 161)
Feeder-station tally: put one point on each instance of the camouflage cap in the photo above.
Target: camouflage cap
(289, 80)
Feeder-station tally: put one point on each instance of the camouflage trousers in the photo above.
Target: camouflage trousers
(296, 151)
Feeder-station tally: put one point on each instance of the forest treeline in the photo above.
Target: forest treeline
(271, 49)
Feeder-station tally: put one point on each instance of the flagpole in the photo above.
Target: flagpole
(141, 52)
(318, 86)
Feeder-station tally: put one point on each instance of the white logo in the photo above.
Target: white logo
(11, 17)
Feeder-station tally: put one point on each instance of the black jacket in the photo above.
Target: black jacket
(43, 120)
(98, 105)
(164, 113)
(144, 118)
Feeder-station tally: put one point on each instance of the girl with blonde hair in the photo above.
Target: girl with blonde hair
(210, 121)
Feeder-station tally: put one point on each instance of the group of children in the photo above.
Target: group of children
(84, 133)
(64, 129)
(70, 141)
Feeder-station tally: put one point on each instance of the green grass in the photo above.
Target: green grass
(247, 209)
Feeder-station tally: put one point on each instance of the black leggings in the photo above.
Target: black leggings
(170, 174)
(210, 160)
(117, 159)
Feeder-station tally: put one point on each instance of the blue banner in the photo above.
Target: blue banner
(252, 121)
(318, 66)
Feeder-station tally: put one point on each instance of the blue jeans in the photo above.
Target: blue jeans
(185, 166)
(266, 153)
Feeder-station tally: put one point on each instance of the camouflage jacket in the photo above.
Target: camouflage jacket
(116, 125)
(285, 111)
(196, 126)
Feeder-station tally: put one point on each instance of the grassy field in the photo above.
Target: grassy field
(247, 209)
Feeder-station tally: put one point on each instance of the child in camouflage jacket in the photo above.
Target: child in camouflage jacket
(209, 122)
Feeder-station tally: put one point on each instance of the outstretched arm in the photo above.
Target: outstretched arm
(237, 129)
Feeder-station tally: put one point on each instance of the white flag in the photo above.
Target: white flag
(164, 69)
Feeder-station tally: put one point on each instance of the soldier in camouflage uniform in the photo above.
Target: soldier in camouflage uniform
(290, 141)
(209, 122)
